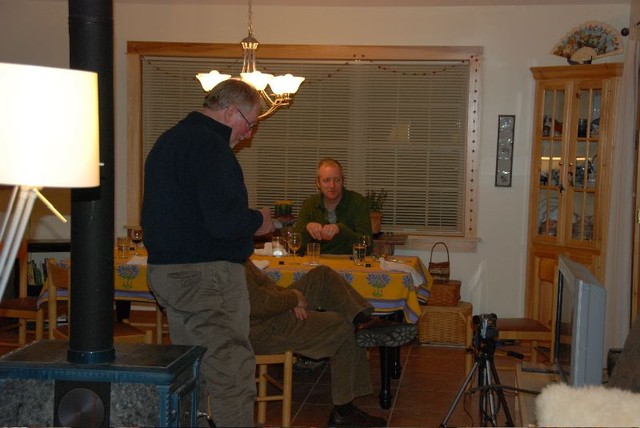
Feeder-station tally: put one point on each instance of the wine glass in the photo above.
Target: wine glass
(136, 237)
(295, 242)
(286, 235)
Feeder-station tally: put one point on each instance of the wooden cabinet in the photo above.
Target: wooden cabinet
(571, 152)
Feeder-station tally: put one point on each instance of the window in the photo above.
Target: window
(405, 124)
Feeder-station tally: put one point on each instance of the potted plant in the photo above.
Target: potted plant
(376, 199)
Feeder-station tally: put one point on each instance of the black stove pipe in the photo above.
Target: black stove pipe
(92, 210)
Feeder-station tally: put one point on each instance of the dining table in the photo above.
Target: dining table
(129, 281)
(130, 278)
(129, 284)
(388, 288)
(397, 283)
(396, 286)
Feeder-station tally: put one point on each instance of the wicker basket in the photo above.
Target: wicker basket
(445, 325)
(445, 293)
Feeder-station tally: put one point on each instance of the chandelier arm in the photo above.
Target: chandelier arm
(267, 99)
(268, 113)
(274, 104)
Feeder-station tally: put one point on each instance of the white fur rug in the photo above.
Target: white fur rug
(560, 405)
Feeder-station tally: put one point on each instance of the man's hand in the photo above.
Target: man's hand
(323, 233)
(315, 230)
(329, 231)
(300, 311)
(267, 223)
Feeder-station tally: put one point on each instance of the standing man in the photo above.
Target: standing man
(198, 232)
(335, 216)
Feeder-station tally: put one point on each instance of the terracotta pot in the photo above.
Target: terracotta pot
(376, 221)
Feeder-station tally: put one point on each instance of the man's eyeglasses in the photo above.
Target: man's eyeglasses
(249, 124)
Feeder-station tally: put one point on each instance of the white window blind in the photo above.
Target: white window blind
(401, 126)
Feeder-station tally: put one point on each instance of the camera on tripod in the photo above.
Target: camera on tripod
(492, 397)
(485, 328)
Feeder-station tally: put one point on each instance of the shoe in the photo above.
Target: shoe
(307, 365)
(381, 332)
(354, 417)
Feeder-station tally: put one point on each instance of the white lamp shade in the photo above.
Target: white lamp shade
(211, 79)
(286, 84)
(49, 134)
(257, 79)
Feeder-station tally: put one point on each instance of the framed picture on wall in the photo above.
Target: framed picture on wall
(504, 153)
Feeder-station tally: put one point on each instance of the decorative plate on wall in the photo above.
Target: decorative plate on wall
(587, 42)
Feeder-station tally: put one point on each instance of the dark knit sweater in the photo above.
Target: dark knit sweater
(195, 206)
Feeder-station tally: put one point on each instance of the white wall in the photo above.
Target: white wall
(514, 38)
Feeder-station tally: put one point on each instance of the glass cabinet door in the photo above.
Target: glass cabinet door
(583, 174)
(551, 162)
(570, 166)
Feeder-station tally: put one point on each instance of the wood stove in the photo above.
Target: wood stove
(146, 385)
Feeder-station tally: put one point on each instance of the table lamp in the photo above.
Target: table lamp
(49, 136)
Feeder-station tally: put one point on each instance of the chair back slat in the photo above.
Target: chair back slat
(58, 273)
(58, 277)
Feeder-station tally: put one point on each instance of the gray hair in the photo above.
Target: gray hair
(231, 92)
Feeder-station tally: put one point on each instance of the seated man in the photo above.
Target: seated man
(288, 319)
(335, 217)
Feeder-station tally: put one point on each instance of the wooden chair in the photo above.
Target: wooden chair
(23, 307)
(533, 330)
(263, 380)
(58, 282)
(160, 323)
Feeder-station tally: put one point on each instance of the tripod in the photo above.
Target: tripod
(491, 392)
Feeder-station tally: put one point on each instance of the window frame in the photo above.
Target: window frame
(137, 51)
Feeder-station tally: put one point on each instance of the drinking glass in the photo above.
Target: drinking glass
(122, 247)
(313, 252)
(295, 242)
(277, 245)
(136, 237)
(365, 240)
(359, 251)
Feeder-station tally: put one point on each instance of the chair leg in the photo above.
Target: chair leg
(287, 389)
(264, 379)
(22, 332)
(148, 337)
(262, 393)
(39, 324)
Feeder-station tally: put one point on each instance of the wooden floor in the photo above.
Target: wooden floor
(431, 378)
(423, 395)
